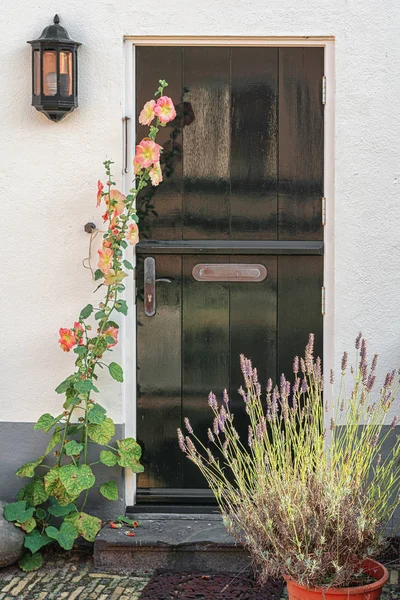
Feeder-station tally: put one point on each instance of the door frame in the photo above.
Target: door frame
(128, 329)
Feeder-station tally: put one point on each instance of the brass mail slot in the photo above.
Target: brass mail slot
(229, 272)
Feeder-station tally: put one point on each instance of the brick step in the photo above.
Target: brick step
(180, 542)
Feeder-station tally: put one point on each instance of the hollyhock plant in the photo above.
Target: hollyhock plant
(165, 110)
(147, 153)
(147, 115)
(60, 488)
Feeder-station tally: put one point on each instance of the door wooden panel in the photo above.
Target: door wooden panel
(243, 181)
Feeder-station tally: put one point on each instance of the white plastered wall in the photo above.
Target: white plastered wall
(49, 171)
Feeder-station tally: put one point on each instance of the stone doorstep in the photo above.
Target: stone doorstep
(181, 542)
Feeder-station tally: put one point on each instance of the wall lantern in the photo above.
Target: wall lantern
(54, 72)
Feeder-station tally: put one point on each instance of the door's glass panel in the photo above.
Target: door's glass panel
(301, 143)
(66, 73)
(206, 151)
(159, 377)
(160, 208)
(254, 143)
(50, 73)
(299, 307)
(36, 73)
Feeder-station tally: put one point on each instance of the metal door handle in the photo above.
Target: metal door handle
(150, 286)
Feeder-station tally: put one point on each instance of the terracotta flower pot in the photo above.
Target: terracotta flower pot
(372, 591)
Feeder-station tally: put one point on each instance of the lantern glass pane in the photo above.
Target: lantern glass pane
(50, 73)
(36, 73)
(66, 73)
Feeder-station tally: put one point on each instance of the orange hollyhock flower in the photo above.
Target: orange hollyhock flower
(67, 339)
(156, 174)
(136, 166)
(147, 114)
(113, 277)
(147, 153)
(105, 260)
(100, 188)
(132, 235)
(79, 331)
(112, 332)
(116, 202)
(165, 109)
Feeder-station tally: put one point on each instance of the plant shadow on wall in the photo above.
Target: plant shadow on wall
(310, 501)
(50, 508)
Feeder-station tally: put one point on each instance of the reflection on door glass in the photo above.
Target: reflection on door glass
(36, 73)
(50, 73)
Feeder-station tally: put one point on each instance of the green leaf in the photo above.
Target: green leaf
(116, 372)
(97, 414)
(102, 434)
(30, 562)
(87, 526)
(111, 324)
(73, 448)
(73, 401)
(123, 519)
(66, 536)
(128, 265)
(72, 429)
(99, 315)
(36, 540)
(86, 312)
(123, 243)
(28, 469)
(34, 492)
(83, 387)
(109, 490)
(41, 514)
(110, 340)
(98, 274)
(64, 385)
(76, 479)
(135, 218)
(55, 488)
(129, 455)
(108, 458)
(122, 307)
(29, 525)
(80, 350)
(46, 422)
(55, 439)
(18, 511)
(60, 511)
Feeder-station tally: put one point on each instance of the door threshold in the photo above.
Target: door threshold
(172, 509)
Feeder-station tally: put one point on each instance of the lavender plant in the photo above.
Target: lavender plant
(307, 499)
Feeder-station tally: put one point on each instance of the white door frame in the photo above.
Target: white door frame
(128, 110)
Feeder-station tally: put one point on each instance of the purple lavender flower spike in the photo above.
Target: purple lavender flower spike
(331, 377)
(188, 425)
(269, 385)
(259, 431)
(263, 425)
(370, 382)
(212, 401)
(216, 426)
(210, 456)
(374, 363)
(255, 375)
(181, 441)
(344, 362)
(296, 385)
(283, 384)
(251, 436)
(210, 435)
(394, 422)
(332, 426)
(302, 365)
(226, 397)
(358, 340)
(304, 386)
(190, 445)
(296, 365)
(374, 440)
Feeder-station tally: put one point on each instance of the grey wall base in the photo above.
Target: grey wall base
(19, 443)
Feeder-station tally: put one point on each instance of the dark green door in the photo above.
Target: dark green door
(243, 184)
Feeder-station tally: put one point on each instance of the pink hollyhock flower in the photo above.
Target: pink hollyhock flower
(136, 167)
(105, 260)
(132, 235)
(156, 174)
(147, 153)
(112, 332)
(116, 202)
(79, 331)
(100, 188)
(165, 109)
(147, 114)
(113, 277)
(67, 339)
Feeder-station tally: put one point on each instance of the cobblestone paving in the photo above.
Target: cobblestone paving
(71, 577)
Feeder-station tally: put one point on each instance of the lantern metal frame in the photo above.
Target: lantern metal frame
(54, 38)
